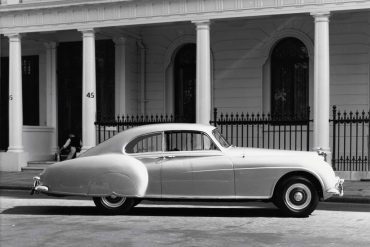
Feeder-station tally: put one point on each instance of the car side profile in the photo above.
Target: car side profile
(190, 162)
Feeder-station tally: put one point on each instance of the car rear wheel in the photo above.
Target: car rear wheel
(114, 204)
(297, 197)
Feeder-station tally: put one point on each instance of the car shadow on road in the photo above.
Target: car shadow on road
(147, 211)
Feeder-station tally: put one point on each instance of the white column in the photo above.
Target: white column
(203, 77)
(51, 92)
(88, 89)
(15, 94)
(322, 83)
(120, 75)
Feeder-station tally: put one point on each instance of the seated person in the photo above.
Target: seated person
(72, 146)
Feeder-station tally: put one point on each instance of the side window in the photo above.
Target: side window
(144, 144)
(188, 141)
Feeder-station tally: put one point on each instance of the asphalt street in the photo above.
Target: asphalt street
(46, 221)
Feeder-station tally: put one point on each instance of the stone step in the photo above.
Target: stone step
(40, 163)
(34, 168)
(37, 165)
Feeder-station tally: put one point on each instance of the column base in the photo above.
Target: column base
(54, 150)
(16, 149)
(85, 148)
(13, 161)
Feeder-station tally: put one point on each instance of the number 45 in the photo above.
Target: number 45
(90, 95)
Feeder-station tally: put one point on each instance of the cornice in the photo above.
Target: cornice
(54, 4)
(79, 14)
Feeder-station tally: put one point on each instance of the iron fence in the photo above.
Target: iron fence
(265, 130)
(351, 141)
(107, 128)
(349, 132)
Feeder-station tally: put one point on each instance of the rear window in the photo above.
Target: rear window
(146, 143)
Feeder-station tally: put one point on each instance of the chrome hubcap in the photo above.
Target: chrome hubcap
(298, 196)
(113, 201)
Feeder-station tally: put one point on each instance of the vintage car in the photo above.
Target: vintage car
(190, 162)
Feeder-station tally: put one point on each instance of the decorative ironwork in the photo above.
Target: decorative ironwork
(265, 130)
(351, 141)
(108, 127)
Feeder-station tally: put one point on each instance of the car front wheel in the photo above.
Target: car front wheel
(297, 197)
(113, 204)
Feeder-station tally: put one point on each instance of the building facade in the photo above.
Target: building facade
(63, 63)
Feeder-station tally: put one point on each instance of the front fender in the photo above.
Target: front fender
(100, 175)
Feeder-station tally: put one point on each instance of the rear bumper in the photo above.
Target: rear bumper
(38, 187)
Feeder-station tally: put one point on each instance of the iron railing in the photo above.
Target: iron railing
(265, 130)
(107, 128)
(350, 133)
(351, 141)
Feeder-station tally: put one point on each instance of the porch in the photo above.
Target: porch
(182, 66)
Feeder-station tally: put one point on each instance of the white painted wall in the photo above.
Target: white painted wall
(241, 47)
(349, 44)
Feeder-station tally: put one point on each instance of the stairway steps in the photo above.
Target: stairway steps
(37, 165)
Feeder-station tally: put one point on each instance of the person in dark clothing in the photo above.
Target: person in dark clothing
(72, 146)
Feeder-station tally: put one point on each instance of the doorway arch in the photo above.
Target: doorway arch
(289, 77)
(266, 51)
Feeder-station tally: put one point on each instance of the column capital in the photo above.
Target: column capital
(202, 24)
(321, 16)
(51, 44)
(87, 32)
(120, 40)
(13, 36)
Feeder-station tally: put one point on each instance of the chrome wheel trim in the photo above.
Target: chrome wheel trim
(113, 201)
(298, 196)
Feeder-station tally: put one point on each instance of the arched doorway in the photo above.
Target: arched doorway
(289, 78)
(184, 80)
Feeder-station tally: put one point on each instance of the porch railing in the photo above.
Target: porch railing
(265, 130)
(107, 128)
(351, 141)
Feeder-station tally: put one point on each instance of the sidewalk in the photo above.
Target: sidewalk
(354, 191)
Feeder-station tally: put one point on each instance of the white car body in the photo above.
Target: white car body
(219, 173)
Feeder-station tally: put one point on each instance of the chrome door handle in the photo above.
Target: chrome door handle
(169, 156)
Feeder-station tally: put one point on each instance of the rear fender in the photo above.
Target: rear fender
(100, 175)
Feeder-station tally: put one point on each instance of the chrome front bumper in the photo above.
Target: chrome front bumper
(338, 189)
(37, 187)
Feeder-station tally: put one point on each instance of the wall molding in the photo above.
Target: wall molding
(67, 15)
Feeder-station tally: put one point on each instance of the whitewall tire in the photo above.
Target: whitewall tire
(113, 204)
(296, 196)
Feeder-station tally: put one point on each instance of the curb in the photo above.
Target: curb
(349, 199)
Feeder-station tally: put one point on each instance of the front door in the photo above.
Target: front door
(185, 67)
(70, 86)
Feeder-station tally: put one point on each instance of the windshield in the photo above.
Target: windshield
(220, 138)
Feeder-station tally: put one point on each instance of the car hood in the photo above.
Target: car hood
(257, 157)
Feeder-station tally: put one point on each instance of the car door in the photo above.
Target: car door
(148, 149)
(176, 173)
(194, 167)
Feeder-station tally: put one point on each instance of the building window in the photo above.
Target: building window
(30, 90)
(289, 78)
